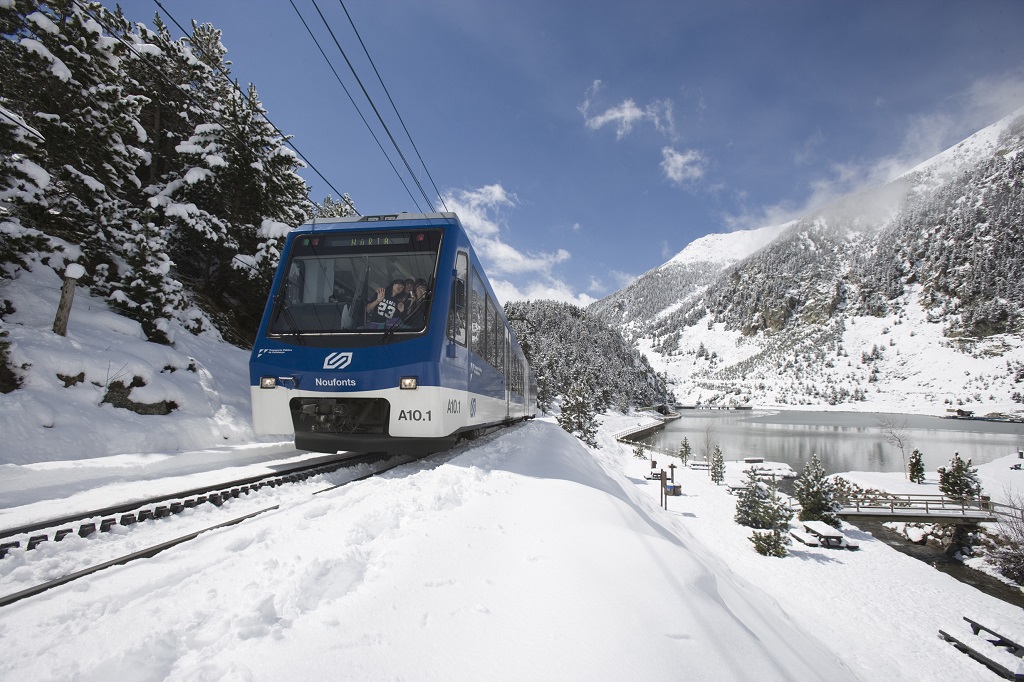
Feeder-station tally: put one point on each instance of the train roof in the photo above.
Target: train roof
(354, 221)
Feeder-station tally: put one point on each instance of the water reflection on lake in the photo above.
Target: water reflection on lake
(844, 441)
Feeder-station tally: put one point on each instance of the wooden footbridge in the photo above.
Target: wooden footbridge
(924, 509)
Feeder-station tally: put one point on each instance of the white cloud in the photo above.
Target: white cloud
(992, 98)
(619, 280)
(480, 211)
(626, 115)
(552, 290)
(925, 135)
(682, 167)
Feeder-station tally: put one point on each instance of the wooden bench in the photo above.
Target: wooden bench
(805, 538)
(1000, 640)
(999, 655)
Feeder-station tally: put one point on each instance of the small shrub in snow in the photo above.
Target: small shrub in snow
(959, 480)
(916, 467)
(816, 494)
(770, 543)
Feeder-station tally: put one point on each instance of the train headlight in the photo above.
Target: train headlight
(407, 383)
(268, 382)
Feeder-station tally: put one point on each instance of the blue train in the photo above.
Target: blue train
(382, 334)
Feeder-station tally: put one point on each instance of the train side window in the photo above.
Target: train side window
(457, 310)
(477, 316)
(489, 340)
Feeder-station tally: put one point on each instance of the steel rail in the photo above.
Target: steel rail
(156, 549)
(324, 464)
(141, 554)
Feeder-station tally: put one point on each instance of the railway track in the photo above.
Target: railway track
(122, 518)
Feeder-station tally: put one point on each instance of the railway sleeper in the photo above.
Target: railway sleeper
(131, 518)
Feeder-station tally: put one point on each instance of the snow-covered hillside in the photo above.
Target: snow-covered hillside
(63, 409)
(726, 248)
(905, 297)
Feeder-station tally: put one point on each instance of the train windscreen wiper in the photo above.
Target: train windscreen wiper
(281, 309)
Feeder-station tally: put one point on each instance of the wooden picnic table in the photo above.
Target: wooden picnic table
(826, 534)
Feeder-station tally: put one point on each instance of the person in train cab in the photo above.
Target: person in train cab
(388, 303)
(415, 315)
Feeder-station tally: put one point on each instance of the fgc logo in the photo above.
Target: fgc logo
(338, 360)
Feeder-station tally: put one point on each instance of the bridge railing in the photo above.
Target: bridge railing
(940, 505)
(917, 503)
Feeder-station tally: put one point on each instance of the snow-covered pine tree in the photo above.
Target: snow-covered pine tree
(916, 467)
(750, 501)
(64, 78)
(816, 494)
(331, 208)
(959, 480)
(270, 199)
(177, 94)
(577, 415)
(774, 540)
(717, 466)
(685, 450)
(22, 184)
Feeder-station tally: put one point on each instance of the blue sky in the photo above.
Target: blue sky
(585, 143)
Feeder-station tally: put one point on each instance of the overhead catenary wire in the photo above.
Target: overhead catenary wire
(16, 120)
(376, 111)
(393, 106)
(352, 100)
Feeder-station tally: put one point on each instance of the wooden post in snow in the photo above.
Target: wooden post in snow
(67, 295)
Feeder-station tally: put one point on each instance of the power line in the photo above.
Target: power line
(358, 111)
(374, 107)
(386, 92)
(16, 120)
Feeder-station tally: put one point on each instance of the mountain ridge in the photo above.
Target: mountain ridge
(939, 248)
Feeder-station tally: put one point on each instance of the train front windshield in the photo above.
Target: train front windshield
(357, 282)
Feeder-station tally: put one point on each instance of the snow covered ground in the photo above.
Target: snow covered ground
(524, 556)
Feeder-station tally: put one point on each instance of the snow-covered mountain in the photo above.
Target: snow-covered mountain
(907, 296)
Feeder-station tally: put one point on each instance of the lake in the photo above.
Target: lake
(844, 441)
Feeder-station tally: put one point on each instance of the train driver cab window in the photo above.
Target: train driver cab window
(460, 300)
(357, 282)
